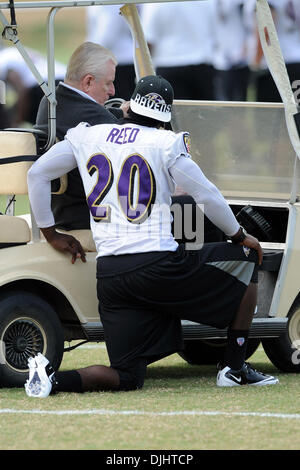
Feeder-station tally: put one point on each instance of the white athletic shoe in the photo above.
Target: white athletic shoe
(41, 377)
(246, 376)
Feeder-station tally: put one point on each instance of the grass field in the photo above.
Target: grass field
(179, 407)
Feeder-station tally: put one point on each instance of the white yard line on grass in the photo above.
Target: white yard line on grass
(150, 413)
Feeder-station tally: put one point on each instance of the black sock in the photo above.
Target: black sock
(236, 348)
(68, 381)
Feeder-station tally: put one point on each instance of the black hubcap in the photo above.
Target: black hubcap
(22, 339)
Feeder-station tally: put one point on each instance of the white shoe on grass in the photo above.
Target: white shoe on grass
(41, 377)
(246, 376)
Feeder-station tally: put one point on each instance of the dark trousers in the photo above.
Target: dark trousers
(266, 89)
(191, 82)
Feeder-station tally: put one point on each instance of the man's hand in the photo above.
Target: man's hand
(125, 107)
(252, 242)
(243, 238)
(64, 243)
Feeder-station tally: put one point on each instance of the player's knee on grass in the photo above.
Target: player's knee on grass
(132, 378)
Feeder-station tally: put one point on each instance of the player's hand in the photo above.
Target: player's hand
(125, 107)
(68, 243)
(252, 242)
(65, 243)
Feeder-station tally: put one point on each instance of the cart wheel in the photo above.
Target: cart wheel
(284, 351)
(206, 352)
(28, 325)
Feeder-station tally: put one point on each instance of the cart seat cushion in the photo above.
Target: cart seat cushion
(14, 230)
(13, 174)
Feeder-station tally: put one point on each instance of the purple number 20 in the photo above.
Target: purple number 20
(135, 173)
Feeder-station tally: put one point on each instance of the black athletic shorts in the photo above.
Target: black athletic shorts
(143, 297)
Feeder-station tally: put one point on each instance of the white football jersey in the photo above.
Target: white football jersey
(125, 174)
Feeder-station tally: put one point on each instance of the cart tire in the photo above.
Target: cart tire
(28, 325)
(207, 352)
(284, 351)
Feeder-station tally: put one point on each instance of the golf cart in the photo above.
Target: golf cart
(244, 148)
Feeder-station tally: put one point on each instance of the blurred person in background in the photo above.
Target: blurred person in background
(230, 60)
(106, 26)
(180, 39)
(4, 117)
(18, 77)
